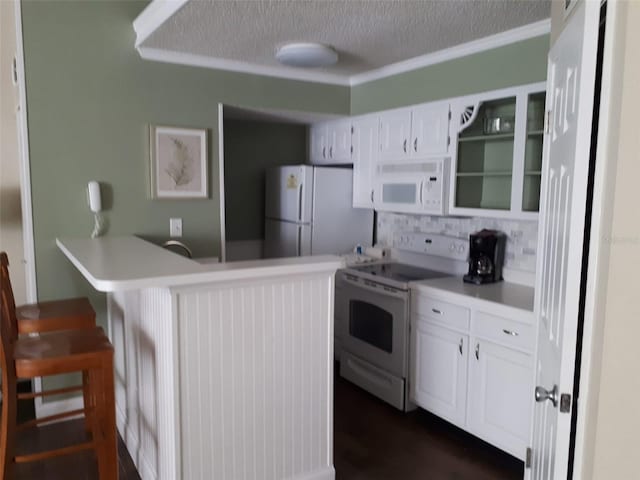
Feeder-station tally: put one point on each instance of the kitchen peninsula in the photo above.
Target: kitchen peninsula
(223, 370)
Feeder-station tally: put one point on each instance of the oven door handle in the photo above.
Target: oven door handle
(371, 286)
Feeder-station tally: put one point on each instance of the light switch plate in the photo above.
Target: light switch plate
(175, 227)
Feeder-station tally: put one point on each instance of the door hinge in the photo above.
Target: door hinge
(565, 403)
(527, 458)
(547, 122)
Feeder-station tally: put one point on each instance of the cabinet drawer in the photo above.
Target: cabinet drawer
(504, 330)
(441, 312)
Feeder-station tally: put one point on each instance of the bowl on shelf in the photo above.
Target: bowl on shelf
(495, 125)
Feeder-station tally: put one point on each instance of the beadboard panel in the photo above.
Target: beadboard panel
(142, 331)
(256, 394)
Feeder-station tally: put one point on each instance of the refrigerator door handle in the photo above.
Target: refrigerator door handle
(300, 202)
(299, 241)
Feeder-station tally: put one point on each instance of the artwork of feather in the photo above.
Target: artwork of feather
(181, 168)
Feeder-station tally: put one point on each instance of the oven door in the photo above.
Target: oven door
(373, 323)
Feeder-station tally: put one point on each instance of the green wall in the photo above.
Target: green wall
(250, 148)
(515, 64)
(90, 99)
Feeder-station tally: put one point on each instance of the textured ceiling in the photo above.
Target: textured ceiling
(367, 34)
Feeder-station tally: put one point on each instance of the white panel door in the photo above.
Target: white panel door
(439, 382)
(500, 384)
(365, 141)
(570, 92)
(395, 134)
(340, 141)
(430, 130)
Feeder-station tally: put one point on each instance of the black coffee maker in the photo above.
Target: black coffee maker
(486, 256)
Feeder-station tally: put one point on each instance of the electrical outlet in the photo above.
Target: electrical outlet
(175, 227)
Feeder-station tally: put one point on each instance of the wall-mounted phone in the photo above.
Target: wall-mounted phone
(93, 196)
(95, 205)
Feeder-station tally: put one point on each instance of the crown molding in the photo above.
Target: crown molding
(525, 32)
(153, 16)
(181, 58)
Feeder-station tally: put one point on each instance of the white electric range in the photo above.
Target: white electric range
(372, 311)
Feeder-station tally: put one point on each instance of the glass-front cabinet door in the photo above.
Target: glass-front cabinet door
(498, 153)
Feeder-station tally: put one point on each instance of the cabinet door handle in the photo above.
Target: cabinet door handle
(331, 151)
(324, 152)
(371, 196)
(404, 145)
(415, 144)
(477, 351)
(460, 345)
(510, 332)
(435, 310)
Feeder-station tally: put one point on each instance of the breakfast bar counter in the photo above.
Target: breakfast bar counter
(224, 370)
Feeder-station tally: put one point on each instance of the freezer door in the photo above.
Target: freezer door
(288, 193)
(337, 226)
(286, 239)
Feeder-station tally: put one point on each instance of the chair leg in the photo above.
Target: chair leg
(108, 452)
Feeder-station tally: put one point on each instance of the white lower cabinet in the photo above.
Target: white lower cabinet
(500, 392)
(440, 376)
(477, 375)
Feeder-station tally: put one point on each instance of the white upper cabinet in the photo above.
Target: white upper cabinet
(395, 134)
(430, 129)
(414, 133)
(365, 142)
(497, 153)
(330, 142)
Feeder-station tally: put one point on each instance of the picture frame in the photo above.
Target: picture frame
(178, 162)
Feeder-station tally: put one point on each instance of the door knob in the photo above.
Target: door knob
(543, 394)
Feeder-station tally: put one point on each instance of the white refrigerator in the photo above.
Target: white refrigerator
(308, 212)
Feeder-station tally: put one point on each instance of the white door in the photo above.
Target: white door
(318, 143)
(365, 140)
(394, 134)
(439, 379)
(430, 130)
(500, 396)
(570, 92)
(340, 141)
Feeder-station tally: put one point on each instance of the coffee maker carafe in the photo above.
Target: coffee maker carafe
(486, 256)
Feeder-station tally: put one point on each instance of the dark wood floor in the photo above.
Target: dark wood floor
(373, 441)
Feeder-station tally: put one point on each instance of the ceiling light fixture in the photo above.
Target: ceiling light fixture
(306, 55)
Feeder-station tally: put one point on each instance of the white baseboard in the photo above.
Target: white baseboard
(327, 473)
(45, 409)
(244, 250)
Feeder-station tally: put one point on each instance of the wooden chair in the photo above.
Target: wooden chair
(68, 314)
(87, 351)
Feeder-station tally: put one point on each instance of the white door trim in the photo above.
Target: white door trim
(598, 259)
(223, 233)
(25, 187)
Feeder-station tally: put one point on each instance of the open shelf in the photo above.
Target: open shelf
(486, 138)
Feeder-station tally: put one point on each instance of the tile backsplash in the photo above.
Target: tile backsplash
(522, 235)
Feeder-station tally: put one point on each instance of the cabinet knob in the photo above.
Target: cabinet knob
(415, 144)
(460, 345)
(371, 196)
(477, 351)
(324, 152)
(404, 145)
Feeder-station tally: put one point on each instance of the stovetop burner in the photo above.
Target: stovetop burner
(399, 272)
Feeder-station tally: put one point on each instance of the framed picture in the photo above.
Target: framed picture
(178, 162)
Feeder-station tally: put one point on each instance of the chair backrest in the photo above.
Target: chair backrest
(9, 381)
(7, 297)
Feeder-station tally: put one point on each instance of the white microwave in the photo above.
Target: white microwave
(412, 187)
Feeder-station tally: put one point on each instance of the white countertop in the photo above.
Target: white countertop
(504, 293)
(128, 263)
